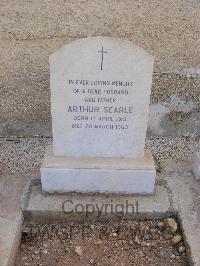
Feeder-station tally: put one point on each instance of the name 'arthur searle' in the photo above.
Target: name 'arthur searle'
(96, 109)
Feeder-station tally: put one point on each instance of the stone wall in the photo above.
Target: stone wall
(31, 30)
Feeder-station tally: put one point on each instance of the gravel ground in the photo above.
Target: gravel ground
(24, 155)
(112, 243)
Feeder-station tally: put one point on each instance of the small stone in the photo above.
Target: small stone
(78, 250)
(44, 251)
(167, 236)
(173, 256)
(98, 242)
(181, 249)
(130, 242)
(91, 261)
(35, 230)
(114, 234)
(145, 244)
(136, 240)
(36, 252)
(147, 237)
(67, 250)
(176, 239)
(26, 229)
(161, 225)
(171, 223)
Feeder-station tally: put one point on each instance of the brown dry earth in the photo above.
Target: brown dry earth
(109, 243)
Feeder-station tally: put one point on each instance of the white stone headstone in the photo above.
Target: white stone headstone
(100, 93)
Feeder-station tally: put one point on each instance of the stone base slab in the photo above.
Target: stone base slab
(81, 207)
(105, 175)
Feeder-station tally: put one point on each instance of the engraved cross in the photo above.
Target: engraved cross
(102, 53)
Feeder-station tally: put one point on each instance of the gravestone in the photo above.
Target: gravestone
(100, 93)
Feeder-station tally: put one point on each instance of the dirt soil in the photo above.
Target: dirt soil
(109, 243)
